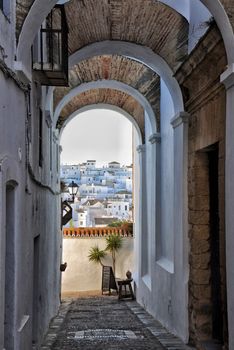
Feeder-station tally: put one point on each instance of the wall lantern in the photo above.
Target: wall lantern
(50, 50)
(73, 189)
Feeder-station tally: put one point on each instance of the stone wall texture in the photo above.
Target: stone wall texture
(206, 129)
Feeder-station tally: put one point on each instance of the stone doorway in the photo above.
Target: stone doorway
(9, 312)
(36, 306)
(207, 286)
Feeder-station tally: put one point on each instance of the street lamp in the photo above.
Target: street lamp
(73, 189)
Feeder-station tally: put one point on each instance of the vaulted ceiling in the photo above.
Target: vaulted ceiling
(116, 68)
(105, 96)
(147, 23)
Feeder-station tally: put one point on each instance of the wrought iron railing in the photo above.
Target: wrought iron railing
(50, 50)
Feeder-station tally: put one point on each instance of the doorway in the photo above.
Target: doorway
(207, 304)
(215, 268)
(9, 312)
(36, 311)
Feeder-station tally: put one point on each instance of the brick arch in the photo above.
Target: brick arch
(111, 85)
(119, 68)
(108, 97)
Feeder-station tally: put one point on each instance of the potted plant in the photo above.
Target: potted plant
(96, 255)
(113, 244)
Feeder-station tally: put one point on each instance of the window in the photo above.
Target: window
(126, 207)
(81, 223)
(120, 207)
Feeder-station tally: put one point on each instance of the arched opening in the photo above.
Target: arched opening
(105, 203)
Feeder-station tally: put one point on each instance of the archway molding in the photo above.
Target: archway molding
(108, 84)
(138, 53)
(133, 51)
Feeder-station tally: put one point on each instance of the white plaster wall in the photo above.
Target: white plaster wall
(12, 139)
(161, 296)
(84, 275)
(167, 175)
(7, 33)
(37, 213)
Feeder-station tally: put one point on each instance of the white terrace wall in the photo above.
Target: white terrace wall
(84, 275)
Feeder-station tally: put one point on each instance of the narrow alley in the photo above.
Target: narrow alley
(103, 322)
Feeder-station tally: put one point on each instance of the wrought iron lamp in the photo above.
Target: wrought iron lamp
(73, 189)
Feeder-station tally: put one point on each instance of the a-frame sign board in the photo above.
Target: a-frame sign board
(108, 280)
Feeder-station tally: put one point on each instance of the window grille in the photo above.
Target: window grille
(50, 50)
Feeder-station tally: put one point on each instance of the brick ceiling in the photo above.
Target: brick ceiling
(105, 96)
(117, 68)
(144, 22)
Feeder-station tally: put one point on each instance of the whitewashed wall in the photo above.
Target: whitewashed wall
(84, 275)
(159, 286)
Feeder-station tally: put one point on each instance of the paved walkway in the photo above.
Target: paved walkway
(104, 323)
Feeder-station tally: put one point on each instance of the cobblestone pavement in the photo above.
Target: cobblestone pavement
(104, 323)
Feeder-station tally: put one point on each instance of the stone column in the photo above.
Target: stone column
(180, 254)
(227, 78)
(155, 210)
(143, 227)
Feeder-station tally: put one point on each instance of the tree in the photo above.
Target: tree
(96, 255)
(113, 244)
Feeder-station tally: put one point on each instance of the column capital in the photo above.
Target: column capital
(155, 138)
(141, 148)
(227, 77)
(180, 118)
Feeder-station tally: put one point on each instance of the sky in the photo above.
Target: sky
(99, 134)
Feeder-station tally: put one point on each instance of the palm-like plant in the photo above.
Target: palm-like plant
(113, 244)
(96, 255)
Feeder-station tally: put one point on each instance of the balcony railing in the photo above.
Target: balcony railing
(50, 50)
(94, 232)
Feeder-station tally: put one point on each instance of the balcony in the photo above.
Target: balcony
(50, 50)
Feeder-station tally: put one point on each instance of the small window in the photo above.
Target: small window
(81, 223)
(126, 207)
